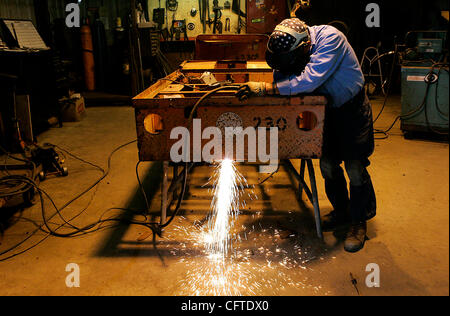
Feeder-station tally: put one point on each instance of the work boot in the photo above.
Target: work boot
(356, 237)
(336, 220)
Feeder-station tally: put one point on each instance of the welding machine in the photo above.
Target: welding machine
(425, 83)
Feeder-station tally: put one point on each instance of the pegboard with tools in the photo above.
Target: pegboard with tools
(200, 15)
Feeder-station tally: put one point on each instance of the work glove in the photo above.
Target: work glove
(251, 89)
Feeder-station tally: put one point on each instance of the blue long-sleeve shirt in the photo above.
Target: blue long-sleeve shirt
(333, 68)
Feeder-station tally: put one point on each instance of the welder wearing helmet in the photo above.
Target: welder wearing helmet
(319, 59)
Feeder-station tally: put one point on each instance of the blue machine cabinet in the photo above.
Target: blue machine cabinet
(434, 113)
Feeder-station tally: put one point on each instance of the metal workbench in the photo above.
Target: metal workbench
(167, 104)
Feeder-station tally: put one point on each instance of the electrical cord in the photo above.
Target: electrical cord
(13, 187)
(193, 87)
(13, 157)
(431, 81)
(26, 161)
(441, 66)
(159, 226)
(207, 95)
(414, 111)
(410, 113)
(423, 106)
(105, 174)
(156, 228)
(391, 73)
(42, 192)
(141, 187)
(180, 197)
(88, 227)
(76, 157)
(186, 167)
(49, 234)
(96, 226)
(210, 93)
(83, 161)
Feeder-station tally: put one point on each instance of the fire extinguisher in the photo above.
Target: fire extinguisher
(88, 56)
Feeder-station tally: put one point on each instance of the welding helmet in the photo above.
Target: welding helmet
(287, 49)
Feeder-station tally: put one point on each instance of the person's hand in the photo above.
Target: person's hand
(251, 89)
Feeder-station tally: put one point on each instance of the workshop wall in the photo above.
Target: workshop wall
(108, 12)
(17, 9)
(184, 12)
(396, 19)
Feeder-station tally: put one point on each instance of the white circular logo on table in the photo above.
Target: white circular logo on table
(229, 119)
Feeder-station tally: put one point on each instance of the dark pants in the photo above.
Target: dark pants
(360, 205)
(349, 139)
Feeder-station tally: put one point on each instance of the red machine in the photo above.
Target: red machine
(264, 15)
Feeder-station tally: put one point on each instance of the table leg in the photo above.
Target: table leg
(302, 176)
(315, 198)
(164, 190)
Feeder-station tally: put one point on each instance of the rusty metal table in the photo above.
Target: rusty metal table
(166, 105)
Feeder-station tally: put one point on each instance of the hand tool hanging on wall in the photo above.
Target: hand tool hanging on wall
(158, 16)
(239, 17)
(172, 6)
(209, 21)
(204, 9)
(191, 26)
(200, 10)
(219, 27)
(144, 5)
(217, 15)
(227, 25)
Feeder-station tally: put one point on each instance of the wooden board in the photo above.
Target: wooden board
(231, 47)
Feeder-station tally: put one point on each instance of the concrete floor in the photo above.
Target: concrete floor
(409, 239)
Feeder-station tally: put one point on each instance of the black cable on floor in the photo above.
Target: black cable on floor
(93, 227)
(141, 187)
(156, 228)
(180, 197)
(58, 210)
(423, 106)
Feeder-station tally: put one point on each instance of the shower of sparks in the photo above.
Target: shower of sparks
(227, 186)
(258, 264)
(220, 275)
(223, 260)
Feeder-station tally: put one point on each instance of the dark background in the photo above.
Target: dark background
(62, 68)
(397, 18)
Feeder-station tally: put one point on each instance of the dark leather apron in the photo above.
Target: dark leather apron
(349, 135)
(348, 130)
